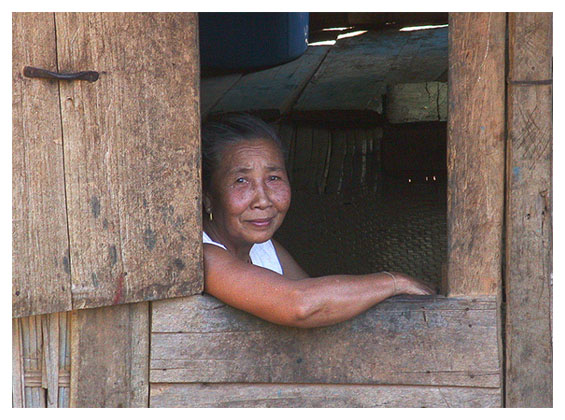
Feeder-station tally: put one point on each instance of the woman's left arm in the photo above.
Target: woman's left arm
(291, 268)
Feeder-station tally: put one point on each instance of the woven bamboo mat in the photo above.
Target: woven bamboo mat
(400, 228)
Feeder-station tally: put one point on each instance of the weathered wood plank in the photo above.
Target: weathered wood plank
(319, 396)
(271, 92)
(414, 102)
(357, 70)
(132, 156)
(110, 356)
(529, 247)
(475, 152)
(410, 341)
(40, 263)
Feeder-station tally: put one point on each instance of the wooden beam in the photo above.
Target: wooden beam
(320, 396)
(403, 341)
(529, 246)
(110, 356)
(475, 152)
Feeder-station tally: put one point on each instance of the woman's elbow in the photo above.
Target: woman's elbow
(302, 310)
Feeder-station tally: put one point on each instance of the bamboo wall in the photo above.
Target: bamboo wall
(41, 360)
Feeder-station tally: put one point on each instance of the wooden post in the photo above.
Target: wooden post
(529, 247)
(475, 152)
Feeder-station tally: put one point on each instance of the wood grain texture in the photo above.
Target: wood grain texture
(319, 396)
(110, 356)
(529, 246)
(132, 155)
(271, 92)
(475, 152)
(40, 264)
(408, 341)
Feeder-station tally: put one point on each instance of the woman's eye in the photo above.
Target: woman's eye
(274, 178)
(240, 180)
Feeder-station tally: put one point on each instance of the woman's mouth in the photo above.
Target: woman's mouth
(261, 223)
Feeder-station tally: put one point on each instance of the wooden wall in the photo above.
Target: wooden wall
(405, 352)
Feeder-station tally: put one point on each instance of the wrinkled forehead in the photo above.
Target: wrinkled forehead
(251, 154)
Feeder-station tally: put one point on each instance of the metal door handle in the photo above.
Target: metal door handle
(91, 76)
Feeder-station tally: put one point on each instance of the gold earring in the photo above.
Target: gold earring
(211, 217)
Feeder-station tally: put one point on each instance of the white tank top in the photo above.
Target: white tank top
(263, 254)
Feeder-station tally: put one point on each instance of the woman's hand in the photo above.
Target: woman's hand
(407, 285)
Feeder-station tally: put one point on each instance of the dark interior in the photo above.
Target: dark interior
(369, 179)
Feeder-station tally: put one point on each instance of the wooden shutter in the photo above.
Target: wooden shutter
(106, 174)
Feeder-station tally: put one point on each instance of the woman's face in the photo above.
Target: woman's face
(250, 192)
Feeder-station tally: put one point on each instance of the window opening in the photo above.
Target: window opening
(367, 149)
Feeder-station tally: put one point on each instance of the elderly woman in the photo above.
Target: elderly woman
(246, 197)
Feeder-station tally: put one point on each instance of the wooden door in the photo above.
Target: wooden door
(105, 174)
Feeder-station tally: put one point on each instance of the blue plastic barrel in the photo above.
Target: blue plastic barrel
(243, 41)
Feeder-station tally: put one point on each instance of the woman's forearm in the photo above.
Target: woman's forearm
(332, 299)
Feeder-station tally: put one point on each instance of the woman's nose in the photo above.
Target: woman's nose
(261, 198)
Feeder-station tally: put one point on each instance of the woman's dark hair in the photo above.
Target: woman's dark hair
(222, 131)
